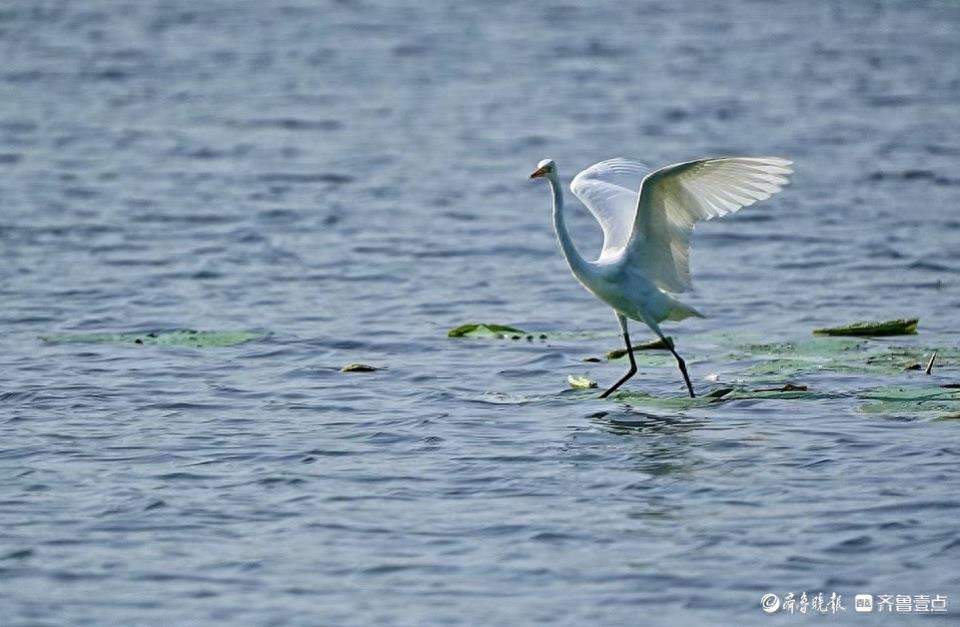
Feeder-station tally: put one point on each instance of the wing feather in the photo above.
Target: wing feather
(609, 190)
(674, 198)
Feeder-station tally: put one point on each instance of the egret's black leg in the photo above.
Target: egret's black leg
(683, 369)
(633, 363)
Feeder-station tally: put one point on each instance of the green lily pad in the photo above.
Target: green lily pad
(720, 395)
(787, 392)
(899, 393)
(912, 401)
(788, 359)
(896, 358)
(181, 337)
(835, 354)
(643, 399)
(481, 329)
(578, 382)
(785, 368)
(900, 326)
(359, 368)
(503, 331)
(811, 347)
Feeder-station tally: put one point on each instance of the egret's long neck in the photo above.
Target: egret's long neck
(577, 263)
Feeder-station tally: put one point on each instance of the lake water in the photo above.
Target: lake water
(349, 179)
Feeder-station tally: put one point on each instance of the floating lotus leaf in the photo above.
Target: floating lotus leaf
(899, 358)
(180, 337)
(482, 329)
(502, 331)
(721, 395)
(911, 401)
(902, 326)
(839, 355)
(643, 399)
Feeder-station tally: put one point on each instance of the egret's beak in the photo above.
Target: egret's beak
(539, 172)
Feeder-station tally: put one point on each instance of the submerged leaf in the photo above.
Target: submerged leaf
(815, 347)
(664, 402)
(836, 354)
(785, 368)
(786, 393)
(578, 382)
(908, 393)
(788, 359)
(480, 329)
(359, 368)
(906, 357)
(901, 326)
(721, 395)
(181, 337)
(913, 402)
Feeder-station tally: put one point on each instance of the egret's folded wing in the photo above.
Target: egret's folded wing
(674, 198)
(609, 191)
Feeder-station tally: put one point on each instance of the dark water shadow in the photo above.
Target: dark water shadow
(659, 444)
(633, 422)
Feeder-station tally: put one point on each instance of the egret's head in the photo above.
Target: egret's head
(545, 168)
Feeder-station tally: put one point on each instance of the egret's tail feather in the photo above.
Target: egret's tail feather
(679, 311)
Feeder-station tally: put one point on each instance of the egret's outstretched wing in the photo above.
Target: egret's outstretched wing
(609, 190)
(673, 198)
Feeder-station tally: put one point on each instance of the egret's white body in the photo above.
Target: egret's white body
(646, 229)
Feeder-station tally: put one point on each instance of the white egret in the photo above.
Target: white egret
(646, 233)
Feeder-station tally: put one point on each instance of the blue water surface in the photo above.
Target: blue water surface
(348, 179)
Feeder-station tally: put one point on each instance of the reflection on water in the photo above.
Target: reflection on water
(663, 442)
